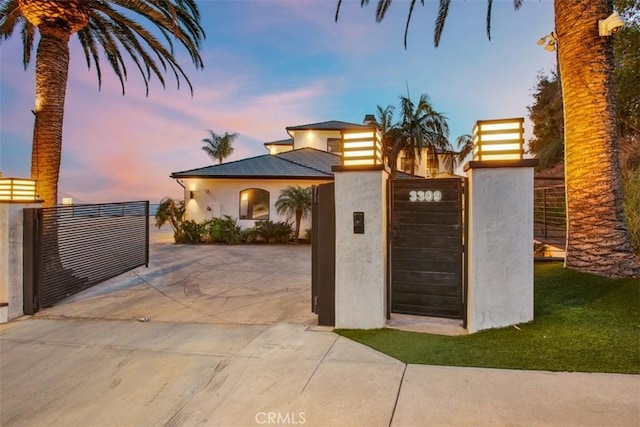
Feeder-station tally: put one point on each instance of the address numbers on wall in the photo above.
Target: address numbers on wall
(425, 196)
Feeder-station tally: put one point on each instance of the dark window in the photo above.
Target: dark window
(334, 145)
(254, 204)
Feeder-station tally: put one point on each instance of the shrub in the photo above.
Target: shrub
(249, 235)
(274, 232)
(190, 232)
(222, 230)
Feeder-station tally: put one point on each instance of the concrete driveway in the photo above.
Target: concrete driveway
(229, 340)
(238, 284)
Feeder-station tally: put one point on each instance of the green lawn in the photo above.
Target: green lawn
(582, 323)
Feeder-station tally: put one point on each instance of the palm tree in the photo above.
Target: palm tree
(172, 212)
(465, 147)
(389, 140)
(597, 235)
(422, 127)
(104, 28)
(219, 147)
(295, 200)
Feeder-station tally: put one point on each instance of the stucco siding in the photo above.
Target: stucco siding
(314, 139)
(218, 197)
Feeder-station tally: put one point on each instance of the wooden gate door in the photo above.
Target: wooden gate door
(426, 247)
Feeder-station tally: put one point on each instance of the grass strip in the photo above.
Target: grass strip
(583, 323)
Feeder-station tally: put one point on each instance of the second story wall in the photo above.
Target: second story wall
(320, 140)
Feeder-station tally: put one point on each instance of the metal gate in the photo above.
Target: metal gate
(426, 247)
(70, 248)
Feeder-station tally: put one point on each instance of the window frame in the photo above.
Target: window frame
(250, 204)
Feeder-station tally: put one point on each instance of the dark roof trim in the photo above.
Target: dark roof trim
(330, 125)
(288, 141)
(254, 177)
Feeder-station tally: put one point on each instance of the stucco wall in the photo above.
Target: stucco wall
(360, 289)
(500, 247)
(313, 139)
(223, 197)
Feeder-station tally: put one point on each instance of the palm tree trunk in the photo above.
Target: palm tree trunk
(52, 66)
(597, 236)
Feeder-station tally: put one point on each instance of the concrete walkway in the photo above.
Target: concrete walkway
(229, 340)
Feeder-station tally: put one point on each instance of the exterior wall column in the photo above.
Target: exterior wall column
(11, 259)
(500, 243)
(361, 258)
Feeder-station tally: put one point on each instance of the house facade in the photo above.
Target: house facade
(248, 189)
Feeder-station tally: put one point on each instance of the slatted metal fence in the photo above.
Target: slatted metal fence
(549, 211)
(72, 248)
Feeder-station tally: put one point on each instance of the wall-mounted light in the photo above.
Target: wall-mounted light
(17, 190)
(611, 25)
(551, 41)
(206, 190)
(192, 194)
(361, 148)
(498, 139)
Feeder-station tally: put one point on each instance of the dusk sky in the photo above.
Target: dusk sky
(270, 64)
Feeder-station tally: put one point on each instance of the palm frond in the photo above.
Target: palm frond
(406, 27)
(28, 33)
(465, 147)
(489, 6)
(113, 29)
(381, 10)
(338, 10)
(443, 11)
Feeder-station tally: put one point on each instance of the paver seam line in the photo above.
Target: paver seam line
(115, 347)
(319, 363)
(395, 405)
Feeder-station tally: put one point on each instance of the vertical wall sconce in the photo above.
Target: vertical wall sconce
(192, 194)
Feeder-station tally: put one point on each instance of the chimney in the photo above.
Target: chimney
(369, 119)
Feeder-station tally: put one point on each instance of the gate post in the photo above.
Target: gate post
(500, 243)
(361, 246)
(11, 259)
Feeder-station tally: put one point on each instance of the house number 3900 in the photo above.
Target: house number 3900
(425, 196)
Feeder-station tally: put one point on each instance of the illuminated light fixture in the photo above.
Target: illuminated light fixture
(611, 25)
(17, 190)
(361, 148)
(67, 200)
(551, 41)
(192, 194)
(498, 139)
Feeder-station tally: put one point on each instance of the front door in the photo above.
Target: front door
(426, 247)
